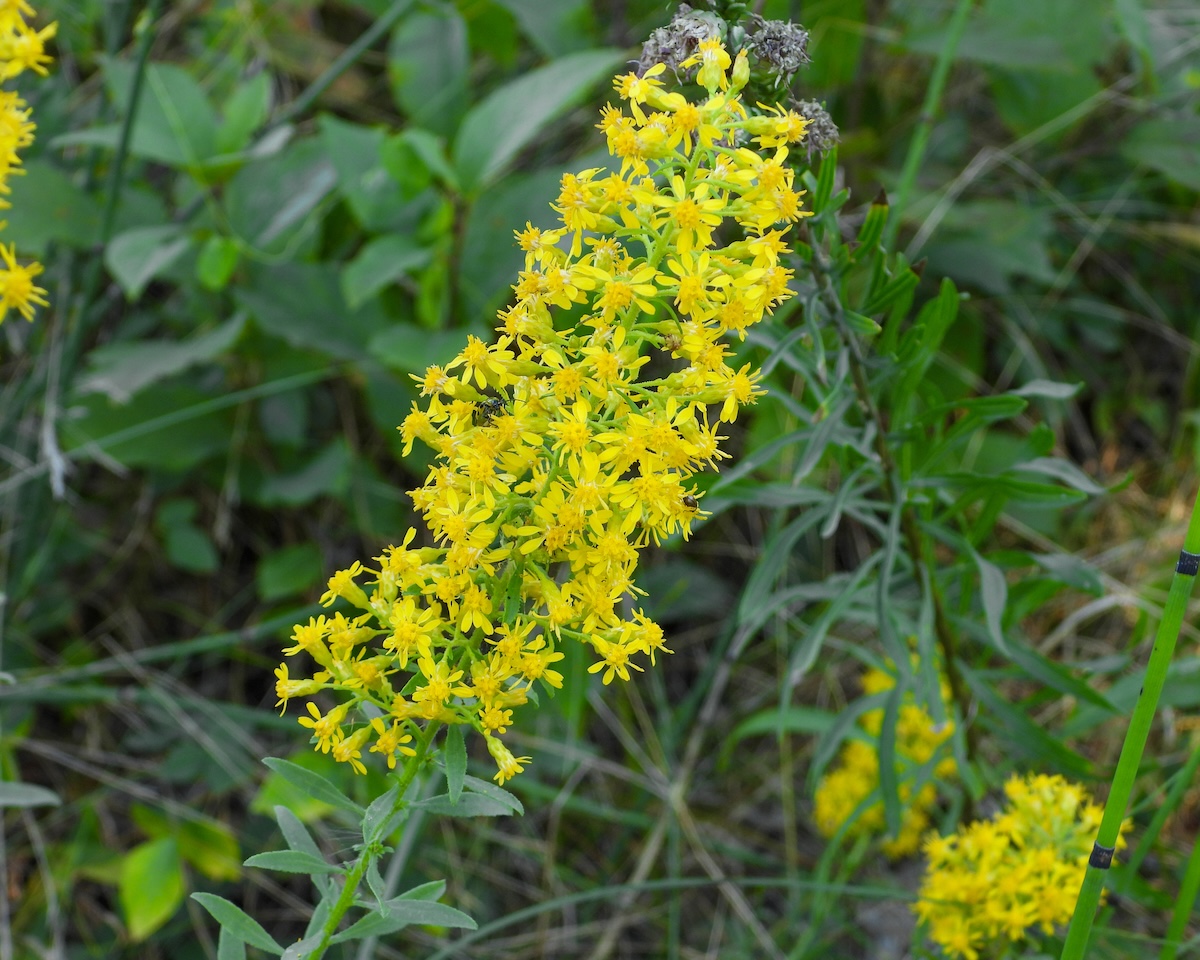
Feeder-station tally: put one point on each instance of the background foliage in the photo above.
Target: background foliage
(202, 429)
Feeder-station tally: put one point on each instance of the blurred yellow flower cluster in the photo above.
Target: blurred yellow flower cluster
(842, 793)
(990, 884)
(21, 48)
(567, 444)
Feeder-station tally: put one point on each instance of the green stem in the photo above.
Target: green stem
(920, 140)
(367, 855)
(1134, 746)
(1183, 905)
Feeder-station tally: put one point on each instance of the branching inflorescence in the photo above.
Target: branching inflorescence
(21, 48)
(559, 450)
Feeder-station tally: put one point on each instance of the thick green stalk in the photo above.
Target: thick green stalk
(1130, 759)
(920, 140)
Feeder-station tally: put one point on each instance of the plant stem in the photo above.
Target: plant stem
(1183, 905)
(920, 140)
(1075, 947)
(915, 544)
(354, 877)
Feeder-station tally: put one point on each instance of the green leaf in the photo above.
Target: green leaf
(151, 886)
(175, 123)
(14, 794)
(48, 207)
(292, 861)
(211, 848)
(556, 27)
(230, 946)
(773, 722)
(510, 118)
(400, 912)
(234, 919)
(288, 571)
(1064, 471)
(1048, 388)
(245, 111)
(271, 205)
(382, 261)
(410, 349)
(454, 753)
(156, 429)
(295, 835)
(137, 256)
(382, 816)
(217, 260)
(120, 370)
(313, 785)
(993, 592)
(428, 64)
(327, 473)
(373, 196)
(301, 303)
(415, 146)
(1170, 146)
(493, 792)
(188, 547)
(468, 805)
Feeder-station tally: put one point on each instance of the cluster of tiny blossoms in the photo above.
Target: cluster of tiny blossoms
(842, 792)
(21, 48)
(994, 882)
(567, 444)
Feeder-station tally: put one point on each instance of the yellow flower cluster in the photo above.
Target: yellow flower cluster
(994, 882)
(847, 786)
(567, 444)
(21, 48)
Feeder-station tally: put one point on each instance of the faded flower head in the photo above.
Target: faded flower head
(560, 451)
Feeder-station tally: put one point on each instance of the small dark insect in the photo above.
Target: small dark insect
(486, 411)
(690, 502)
(671, 343)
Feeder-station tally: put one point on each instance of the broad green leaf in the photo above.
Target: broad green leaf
(428, 66)
(119, 370)
(217, 260)
(989, 243)
(175, 124)
(454, 754)
(382, 261)
(234, 919)
(381, 816)
(137, 256)
(1065, 471)
(415, 145)
(288, 571)
(26, 795)
(272, 204)
(510, 118)
(211, 848)
(151, 887)
(292, 861)
(313, 784)
(156, 429)
(302, 304)
(556, 27)
(244, 112)
(187, 546)
(47, 206)
(327, 473)
(400, 912)
(1170, 146)
(374, 197)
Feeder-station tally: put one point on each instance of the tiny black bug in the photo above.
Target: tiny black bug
(690, 502)
(487, 410)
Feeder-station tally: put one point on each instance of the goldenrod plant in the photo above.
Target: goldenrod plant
(22, 48)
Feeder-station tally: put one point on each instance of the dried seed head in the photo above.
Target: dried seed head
(822, 133)
(680, 38)
(780, 46)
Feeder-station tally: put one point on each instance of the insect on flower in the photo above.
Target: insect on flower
(487, 410)
(690, 502)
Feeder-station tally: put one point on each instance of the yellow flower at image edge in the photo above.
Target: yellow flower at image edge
(561, 449)
(17, 289)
